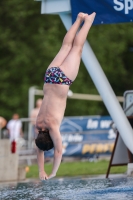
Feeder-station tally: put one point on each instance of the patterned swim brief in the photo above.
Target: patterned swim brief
(55, 75)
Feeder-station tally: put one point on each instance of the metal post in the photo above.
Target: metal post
(31, 99)
(30, 107)
(0, 131)
(104, 88)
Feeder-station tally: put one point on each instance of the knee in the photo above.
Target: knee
(66, 46)
(77, 48)
(78, 45)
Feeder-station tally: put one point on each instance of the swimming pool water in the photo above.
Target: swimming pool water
(70, 189)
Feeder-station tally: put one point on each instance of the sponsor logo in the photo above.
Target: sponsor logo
(95, 124)
(97, 148)
(92, 124)
(105, 124)
(126, 5)
(72, 138)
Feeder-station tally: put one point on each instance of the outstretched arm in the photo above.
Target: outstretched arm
(57, 154)
(40, 160)
(56, 164)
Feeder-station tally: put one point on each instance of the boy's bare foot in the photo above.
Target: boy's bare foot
(90, 18)
(81, 16)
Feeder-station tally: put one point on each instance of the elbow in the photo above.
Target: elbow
(58, 152)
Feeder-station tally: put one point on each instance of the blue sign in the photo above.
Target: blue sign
(86, 136)
(83, 150)
(80, 124)
(107, 11)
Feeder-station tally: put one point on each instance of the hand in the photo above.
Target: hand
(51, 176)
(43, 175)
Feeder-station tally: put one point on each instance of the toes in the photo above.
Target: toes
(81, 14)
(90, 17)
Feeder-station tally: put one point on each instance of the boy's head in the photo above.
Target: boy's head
(44, 141)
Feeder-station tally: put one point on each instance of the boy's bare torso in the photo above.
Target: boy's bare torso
(53, 105)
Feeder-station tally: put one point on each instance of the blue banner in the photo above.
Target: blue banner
(84, 150)
(93, 137)
(87, 123)
(107, 11)
(86, 136)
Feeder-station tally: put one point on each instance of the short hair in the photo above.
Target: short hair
(44, 141)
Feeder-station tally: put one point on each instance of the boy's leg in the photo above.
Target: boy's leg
(70, 66)
(67, 42)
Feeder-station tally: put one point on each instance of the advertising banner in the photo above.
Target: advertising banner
(107, 11)
(85, 123)
(86, 136)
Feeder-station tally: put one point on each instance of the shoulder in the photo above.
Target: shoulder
(34, 112)
(10, 122)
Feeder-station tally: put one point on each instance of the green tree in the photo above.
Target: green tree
(28, 43)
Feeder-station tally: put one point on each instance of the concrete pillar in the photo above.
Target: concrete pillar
(8, 162)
